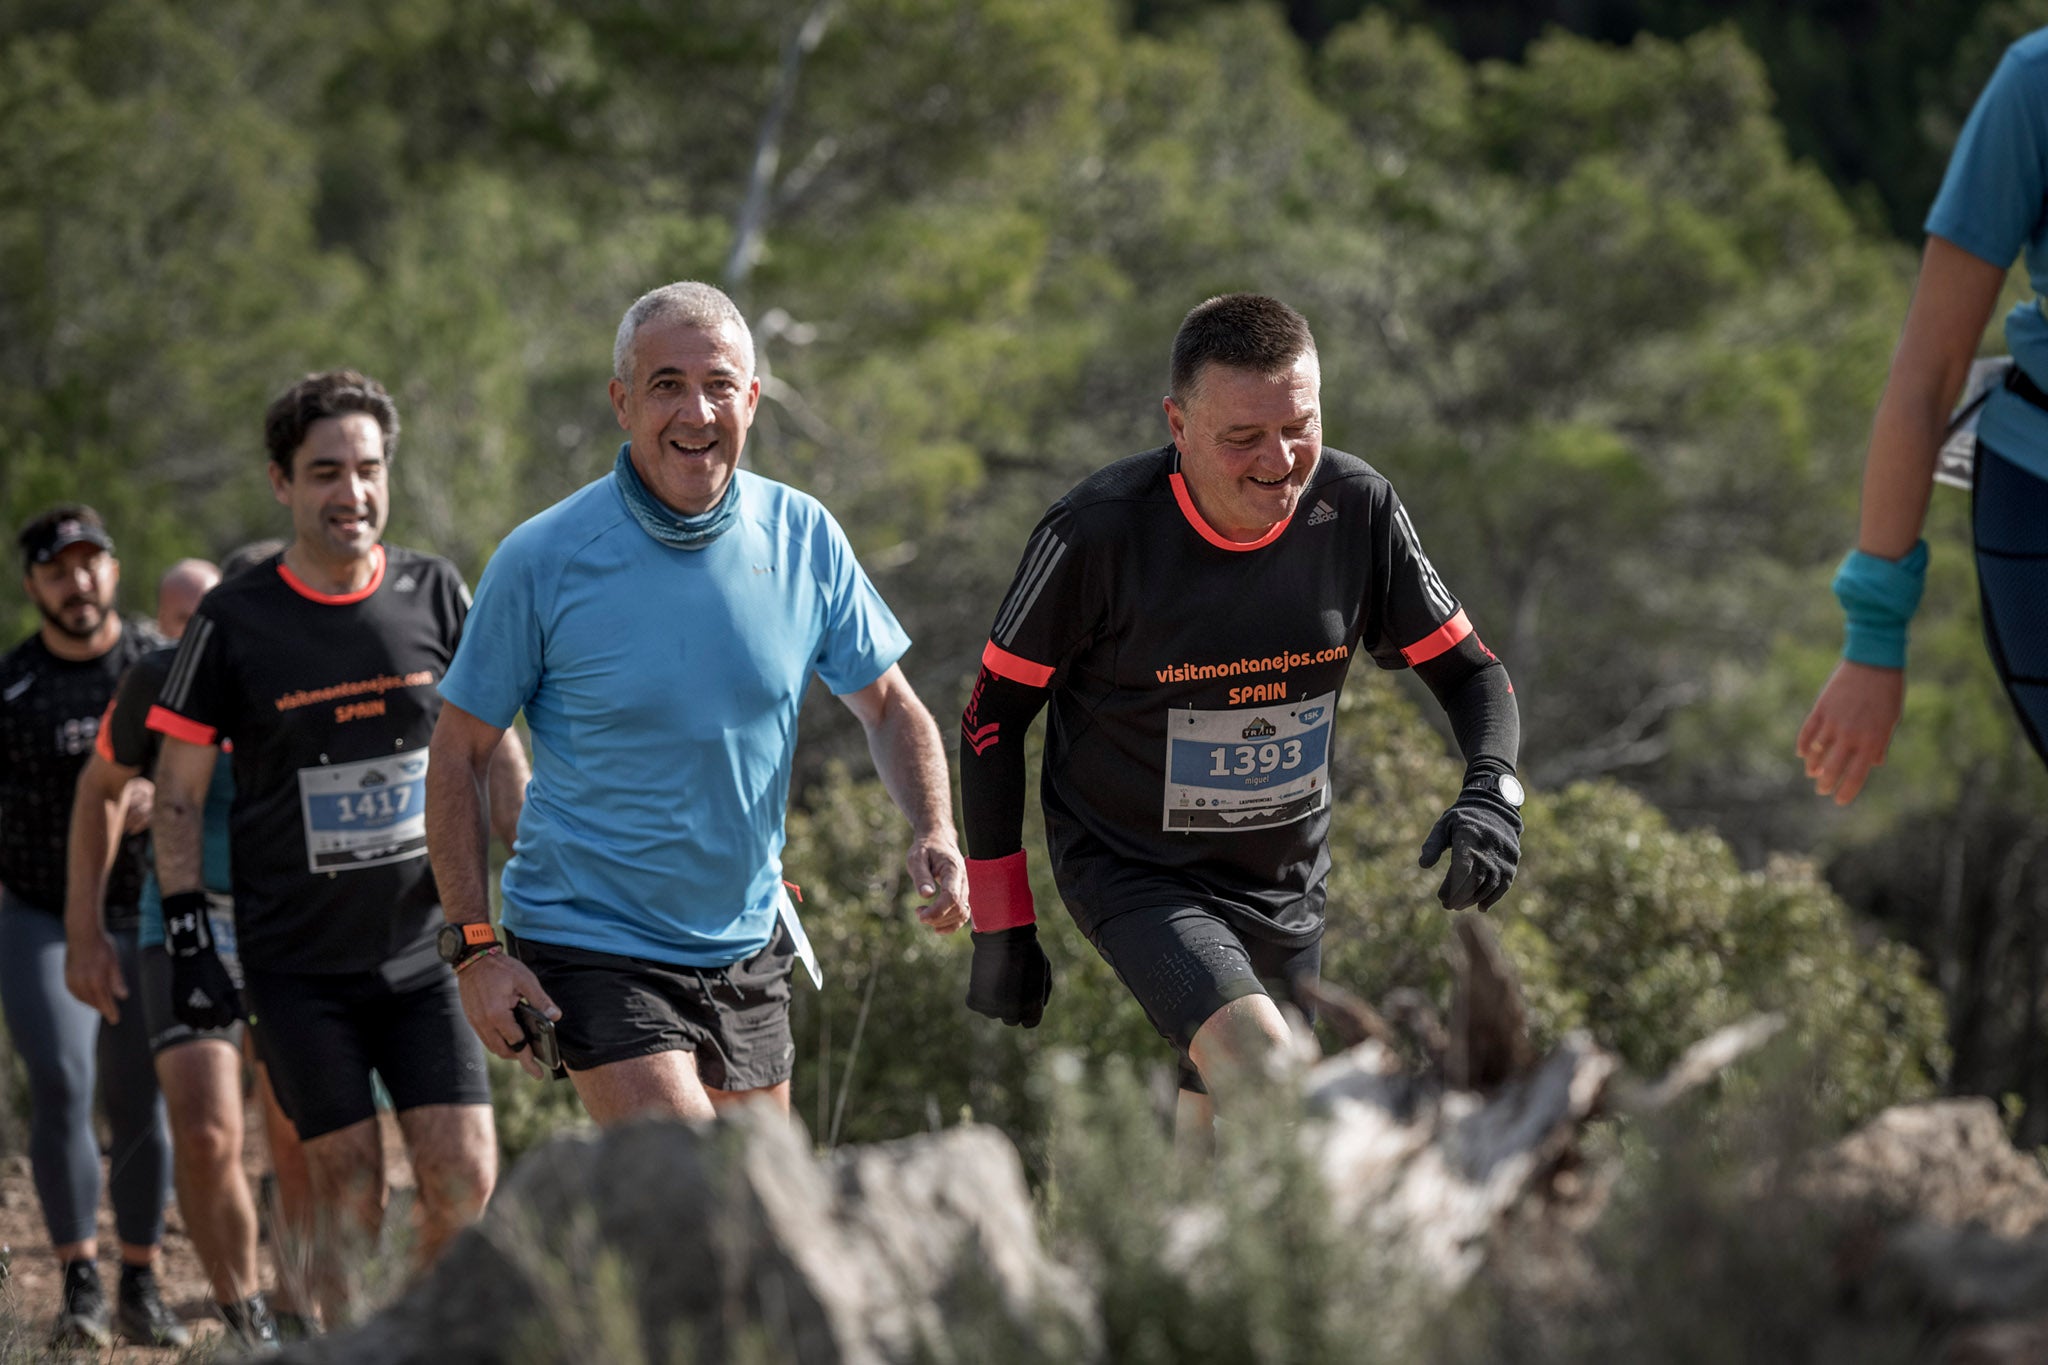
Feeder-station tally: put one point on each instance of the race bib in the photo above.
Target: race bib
(1249, 768)
(364, 814)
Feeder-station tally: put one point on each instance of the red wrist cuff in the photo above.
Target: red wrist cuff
(999, 893)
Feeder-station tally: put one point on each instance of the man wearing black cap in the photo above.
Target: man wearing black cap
(54, 687)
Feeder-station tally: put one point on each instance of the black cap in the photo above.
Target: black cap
(49, 535)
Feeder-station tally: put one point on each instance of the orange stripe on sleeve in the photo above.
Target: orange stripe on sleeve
(103, 743)
(1004, 664)
(1442, 638)
(177, 727)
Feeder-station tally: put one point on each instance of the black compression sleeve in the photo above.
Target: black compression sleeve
(992, 764)
(1473, 688)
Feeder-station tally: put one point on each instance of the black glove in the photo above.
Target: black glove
(1484, 834)
(203, 995)
(1010, 979)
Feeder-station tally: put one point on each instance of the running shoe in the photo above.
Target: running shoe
(82, 1318)
(140, 1314)
(251, 1323)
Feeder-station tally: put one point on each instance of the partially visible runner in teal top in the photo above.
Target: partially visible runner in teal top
(1992, 205)
(1992, 209)
(661, 687)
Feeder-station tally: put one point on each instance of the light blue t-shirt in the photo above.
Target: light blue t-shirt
(1992, 205)
(661, 687)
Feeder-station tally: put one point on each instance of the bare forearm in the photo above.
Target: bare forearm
(508, 777)
(1898, 473)
(458, 841)
(911, 762)
(176, 834)
(95, 818)
(1952, 302)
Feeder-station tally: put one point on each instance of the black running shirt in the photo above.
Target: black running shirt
(330, 702)
(1193, 682)
(50, 710)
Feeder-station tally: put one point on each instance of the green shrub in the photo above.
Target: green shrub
(1646, 936)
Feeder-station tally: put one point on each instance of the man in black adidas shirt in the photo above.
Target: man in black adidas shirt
(320, 666)
(1190, 614)
(199, 1070)
(53, 689)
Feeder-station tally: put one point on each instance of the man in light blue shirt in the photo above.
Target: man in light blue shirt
(659, 628)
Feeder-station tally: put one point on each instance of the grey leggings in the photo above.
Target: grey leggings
(55, 1035)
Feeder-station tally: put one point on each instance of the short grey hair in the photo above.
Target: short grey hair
(701, 305)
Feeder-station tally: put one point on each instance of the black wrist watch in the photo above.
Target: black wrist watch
(1504, 785)
(457, 943)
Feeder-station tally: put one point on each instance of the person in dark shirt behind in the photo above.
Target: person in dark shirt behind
(54, 687)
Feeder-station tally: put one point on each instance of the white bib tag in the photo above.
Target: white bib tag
(1249, 768)
(364, 814)
(805, 953)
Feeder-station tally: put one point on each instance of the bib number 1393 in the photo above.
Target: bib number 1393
(1248, 768)
(1243, 760)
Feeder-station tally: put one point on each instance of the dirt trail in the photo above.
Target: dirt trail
(28, 1296)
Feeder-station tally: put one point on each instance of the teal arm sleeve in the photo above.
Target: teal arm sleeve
(1879, 596)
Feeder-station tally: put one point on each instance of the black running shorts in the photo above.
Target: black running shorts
(735, 1018)
(1184, 963)
(322, 1036)
(2009, 506)
(165, 1029)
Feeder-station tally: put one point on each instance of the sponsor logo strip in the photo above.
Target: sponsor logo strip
(1278, 663)
(291, 701)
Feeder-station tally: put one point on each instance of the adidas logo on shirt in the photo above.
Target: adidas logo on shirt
(1321, 513)
(405, 584)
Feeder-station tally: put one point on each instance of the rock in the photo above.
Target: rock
(2000, 1343)
(1947, 1162)
(1969, 1272)
(657, 1240)
(1434, 1171)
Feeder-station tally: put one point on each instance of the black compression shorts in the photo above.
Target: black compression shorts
(166, 1030)
(322, 1036)
(735, 1018)
(1184, 963)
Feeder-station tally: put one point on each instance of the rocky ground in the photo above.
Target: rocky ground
(28, 1294)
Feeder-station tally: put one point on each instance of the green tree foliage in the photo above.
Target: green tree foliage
(1865, 90)
(1614, 344)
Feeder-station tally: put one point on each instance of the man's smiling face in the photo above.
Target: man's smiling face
(1248, 444)
(686, 405)
(338, 489)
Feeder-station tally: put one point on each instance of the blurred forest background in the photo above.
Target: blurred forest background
(1607, 288)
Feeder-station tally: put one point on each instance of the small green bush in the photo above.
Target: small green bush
(1648, 937)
